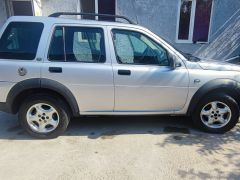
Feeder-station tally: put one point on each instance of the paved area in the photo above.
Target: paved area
(120, 148)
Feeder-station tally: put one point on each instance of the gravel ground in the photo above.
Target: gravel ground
(120, 148)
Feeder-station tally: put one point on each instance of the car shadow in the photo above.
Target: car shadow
(107, 127)
(104, 127)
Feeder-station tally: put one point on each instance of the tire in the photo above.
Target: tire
(224, 118)
(44, 116)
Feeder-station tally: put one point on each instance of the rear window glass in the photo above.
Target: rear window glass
(77, 44)
(20, 40)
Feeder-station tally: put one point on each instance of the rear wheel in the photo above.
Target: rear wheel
(43, 116)
(216, 113)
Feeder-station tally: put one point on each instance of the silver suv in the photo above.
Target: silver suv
(52, 69)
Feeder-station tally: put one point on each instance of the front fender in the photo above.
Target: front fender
(228, 86)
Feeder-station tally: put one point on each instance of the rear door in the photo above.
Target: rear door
(18, 51)
(78, 58)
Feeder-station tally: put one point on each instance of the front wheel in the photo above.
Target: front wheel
(216, 113)
(43, 116)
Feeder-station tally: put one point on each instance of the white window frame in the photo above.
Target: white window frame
(191, 26)
(96, 7)
(79, 9)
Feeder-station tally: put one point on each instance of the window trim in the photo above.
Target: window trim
(50, 43)
(65, 56)
(131, 30)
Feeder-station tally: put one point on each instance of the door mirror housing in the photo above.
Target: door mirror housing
(174, 63)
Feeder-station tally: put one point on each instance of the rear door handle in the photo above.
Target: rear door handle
(55, 69)
(124, 72)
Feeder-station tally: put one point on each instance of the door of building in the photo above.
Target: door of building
(22, 8)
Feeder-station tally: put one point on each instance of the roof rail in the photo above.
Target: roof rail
(57, 14)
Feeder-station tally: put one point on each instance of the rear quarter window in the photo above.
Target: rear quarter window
(20, 40)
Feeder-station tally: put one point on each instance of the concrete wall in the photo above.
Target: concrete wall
(161, 18)
(3, 12)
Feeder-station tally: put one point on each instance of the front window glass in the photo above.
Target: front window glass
(135, 48)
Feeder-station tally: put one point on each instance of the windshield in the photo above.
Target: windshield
(188, 56)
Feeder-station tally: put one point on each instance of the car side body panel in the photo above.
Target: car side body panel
(96, 89)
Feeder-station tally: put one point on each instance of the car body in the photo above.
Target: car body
(175, 86)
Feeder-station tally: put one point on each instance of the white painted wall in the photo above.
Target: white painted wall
(52, 6)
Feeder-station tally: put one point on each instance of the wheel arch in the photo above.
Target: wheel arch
(25, 88)
(227, 86)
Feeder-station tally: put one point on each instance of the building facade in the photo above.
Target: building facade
(206, 28)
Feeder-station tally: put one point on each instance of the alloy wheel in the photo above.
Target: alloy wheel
(42, 118)
(215, 114)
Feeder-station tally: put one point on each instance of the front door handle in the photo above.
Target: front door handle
(124, 72)
(55, 69)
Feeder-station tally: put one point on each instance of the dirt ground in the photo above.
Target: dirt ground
(120, 148)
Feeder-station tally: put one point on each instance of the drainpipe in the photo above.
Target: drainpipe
(7, 8)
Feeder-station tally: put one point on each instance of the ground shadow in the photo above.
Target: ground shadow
(180, 130)
(105, 127)
(210, 146)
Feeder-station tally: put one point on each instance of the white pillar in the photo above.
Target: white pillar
(37, 7)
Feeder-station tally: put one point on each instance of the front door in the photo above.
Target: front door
(78, 59)
(144, 80)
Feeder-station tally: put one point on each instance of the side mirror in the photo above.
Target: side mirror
(178, 64)
(174, 63)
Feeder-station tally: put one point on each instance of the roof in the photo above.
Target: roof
(54, 20)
